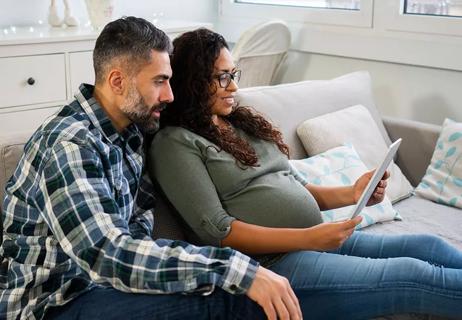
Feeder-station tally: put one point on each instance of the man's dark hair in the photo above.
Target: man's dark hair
(129, 40)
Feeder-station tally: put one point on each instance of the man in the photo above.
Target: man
(77, 211)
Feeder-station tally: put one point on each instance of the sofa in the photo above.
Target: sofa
(287, 105)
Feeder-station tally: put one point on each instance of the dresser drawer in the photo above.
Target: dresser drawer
(32, 80)
(81, 69)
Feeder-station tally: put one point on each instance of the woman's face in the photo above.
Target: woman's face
(223, 99)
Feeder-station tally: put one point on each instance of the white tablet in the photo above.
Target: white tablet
(376, 177)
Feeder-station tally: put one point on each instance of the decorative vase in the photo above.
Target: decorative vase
(100, 12)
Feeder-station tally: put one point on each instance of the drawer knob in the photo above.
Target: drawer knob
(31, 81)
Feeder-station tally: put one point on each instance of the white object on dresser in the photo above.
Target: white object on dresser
(42, 67)
(54, 18)
(100, 12)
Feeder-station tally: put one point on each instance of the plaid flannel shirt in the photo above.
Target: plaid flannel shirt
(77, 214)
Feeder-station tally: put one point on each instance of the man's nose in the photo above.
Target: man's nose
(167, 94)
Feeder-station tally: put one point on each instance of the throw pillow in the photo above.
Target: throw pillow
(442, 182)
(356, 126)
(341, 166)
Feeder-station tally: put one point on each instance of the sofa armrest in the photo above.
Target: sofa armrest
(11, 149)
(419, 141)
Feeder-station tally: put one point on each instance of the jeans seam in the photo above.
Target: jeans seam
(388, 286)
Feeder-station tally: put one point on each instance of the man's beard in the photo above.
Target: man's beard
(136, 109)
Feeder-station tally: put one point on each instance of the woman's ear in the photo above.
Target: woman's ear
(213, 88)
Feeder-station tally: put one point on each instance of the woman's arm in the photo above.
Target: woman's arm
(336, 197)
(332, 197)
(253, 239)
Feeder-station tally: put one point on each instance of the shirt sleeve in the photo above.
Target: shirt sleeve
(297, 175)
(79, 208)
(178, 167)
(142, 221)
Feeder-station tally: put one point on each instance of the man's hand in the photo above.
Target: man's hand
(274, 294)
(330, 235)
(379, 192)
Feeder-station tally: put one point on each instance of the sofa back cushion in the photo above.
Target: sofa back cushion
(288, 105)
(11, 149)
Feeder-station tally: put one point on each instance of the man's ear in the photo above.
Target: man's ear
(117, 81)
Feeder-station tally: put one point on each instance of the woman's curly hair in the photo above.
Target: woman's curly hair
(193, 61)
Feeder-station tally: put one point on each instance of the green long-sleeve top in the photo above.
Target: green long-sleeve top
(210, 189)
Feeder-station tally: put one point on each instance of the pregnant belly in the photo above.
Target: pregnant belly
(283, 203)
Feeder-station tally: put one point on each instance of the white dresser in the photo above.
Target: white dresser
(41, 68)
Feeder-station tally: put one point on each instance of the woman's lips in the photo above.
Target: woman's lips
(229, 100)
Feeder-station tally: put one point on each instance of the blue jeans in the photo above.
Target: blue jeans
(375, 275)
(369, 276)
(111, 304)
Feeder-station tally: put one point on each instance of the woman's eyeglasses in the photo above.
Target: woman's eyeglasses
(224, 79)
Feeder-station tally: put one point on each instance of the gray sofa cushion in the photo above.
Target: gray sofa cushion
(423, 216)
(11, 149)
(167, 222)
(419, 140)
(288, 105)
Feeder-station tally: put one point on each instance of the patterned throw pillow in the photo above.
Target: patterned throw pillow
(353, 125)
(341, 166)
(442, 182)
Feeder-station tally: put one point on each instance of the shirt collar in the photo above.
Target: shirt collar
(99, 117)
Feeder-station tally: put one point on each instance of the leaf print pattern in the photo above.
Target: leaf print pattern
(341, 166)
(451, 152)
(442, 182)
(455, 136)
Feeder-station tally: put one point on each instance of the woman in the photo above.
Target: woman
(226, 170)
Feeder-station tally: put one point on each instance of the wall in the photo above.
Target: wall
(416, 74)
(29, 12)
(427, 94)
(406, 91)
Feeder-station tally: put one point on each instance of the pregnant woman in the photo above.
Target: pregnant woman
(225, 169)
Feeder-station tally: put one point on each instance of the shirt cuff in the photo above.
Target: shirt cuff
(217, 228)
(240, 274)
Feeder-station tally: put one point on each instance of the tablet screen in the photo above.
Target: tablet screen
(376, 177)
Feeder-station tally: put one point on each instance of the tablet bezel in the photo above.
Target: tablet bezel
(376, 177)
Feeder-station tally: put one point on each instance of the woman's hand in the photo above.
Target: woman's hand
(379, 192)
(329, 235)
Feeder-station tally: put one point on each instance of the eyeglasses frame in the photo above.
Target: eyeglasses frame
(230, 76)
